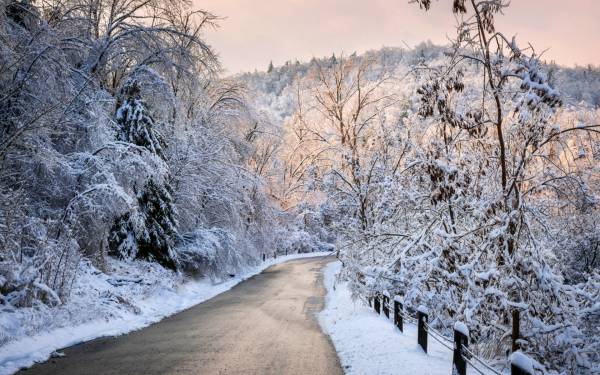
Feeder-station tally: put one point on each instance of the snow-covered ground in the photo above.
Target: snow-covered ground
(132, 296)
(368, 343)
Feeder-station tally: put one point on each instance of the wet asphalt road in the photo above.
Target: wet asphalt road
(264, 325)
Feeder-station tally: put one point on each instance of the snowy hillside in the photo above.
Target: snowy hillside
(277, 89)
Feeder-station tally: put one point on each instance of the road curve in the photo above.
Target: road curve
(264, 325)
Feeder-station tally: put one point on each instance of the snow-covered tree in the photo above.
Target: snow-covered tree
(472, 187)
(148, 232)
(135, 124)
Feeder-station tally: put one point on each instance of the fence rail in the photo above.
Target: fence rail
(462, 357)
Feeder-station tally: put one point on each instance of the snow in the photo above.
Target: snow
(521, 361)
(368, 343)
(462, 328)
(423, 309)
(162, 302)
(399, 299)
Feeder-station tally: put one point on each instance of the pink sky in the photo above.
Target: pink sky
(255, 32)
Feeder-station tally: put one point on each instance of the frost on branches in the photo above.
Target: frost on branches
(450, 179)
(472, 199)
(120, 148)
(458, 179)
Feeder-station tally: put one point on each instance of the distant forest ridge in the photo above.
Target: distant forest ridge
(576, 84)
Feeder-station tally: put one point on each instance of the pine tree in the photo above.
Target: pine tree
(158, 215)
(149, 232)
(271, 67)
(136, 125)
(122, 240)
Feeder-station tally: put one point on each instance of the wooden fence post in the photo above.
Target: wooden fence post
(520, 364)
(377, 303)
(515, 330)
(398, 313)
(386, 304)
(264, 257)
(461, 339)
(422, 318)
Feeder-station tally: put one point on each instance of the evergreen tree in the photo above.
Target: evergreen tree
(136, 125)
(159, 225)
(270, 68)
(122, 240)
(149, 232)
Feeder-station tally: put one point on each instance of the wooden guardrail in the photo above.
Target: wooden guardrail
(462, 357)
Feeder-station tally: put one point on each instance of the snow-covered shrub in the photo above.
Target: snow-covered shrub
(301, 241)
(209, 252)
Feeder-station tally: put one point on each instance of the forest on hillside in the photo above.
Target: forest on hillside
(465, 178)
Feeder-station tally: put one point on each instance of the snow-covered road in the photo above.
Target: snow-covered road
(264, 325)
(84, 320)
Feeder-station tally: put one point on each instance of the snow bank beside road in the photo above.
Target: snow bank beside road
(106, 305)
(370, 344)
